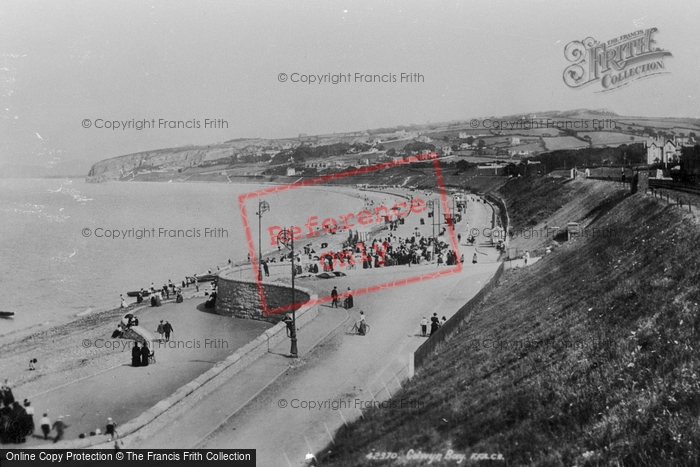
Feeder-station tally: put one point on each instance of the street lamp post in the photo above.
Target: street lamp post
(262, 207)
(286, 238)
(431, 204)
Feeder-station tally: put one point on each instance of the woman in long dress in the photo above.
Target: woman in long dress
(136, 355)
(144, 355)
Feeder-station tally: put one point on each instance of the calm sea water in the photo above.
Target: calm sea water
(50, 270)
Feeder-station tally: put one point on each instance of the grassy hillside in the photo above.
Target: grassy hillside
(532, 199)
(589, 357)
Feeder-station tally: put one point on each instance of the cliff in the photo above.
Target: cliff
(174, 160)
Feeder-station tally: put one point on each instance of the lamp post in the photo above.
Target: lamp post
(431, 204)
(286, 238)
(262, 207)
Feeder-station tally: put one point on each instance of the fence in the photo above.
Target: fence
(436, 340)
(503, 212)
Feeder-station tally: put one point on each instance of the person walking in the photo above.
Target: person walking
(167, 329)
(136, 355)
(474, 259)
(59, 426)
(349, 301)
(160, 330)
(123, 302)
(45, 425)
(434, 323)
(266, 268)
(30, 417)
(424, 326)
(145, 352)
(361, 324)
(334, 296)
(111, 428)
(527, 257)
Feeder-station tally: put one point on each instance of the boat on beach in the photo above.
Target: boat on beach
(146, 293)
(206, 277)
(7, 314)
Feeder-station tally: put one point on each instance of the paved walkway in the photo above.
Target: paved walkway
(123, 392)
(266, 407)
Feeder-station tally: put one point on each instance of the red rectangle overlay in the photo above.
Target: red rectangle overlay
(305, 228)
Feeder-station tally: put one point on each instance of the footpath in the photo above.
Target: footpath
(285, 408)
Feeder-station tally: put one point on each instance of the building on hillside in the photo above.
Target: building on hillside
(291, 171)
(666, 150)
(491, 169)
(522, 152)
(463, 135)
(515, 141)
(424, 139)
(317, 164)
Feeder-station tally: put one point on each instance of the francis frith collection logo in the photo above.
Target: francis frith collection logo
(614, 63)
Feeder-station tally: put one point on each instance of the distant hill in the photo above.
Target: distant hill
(171, 163)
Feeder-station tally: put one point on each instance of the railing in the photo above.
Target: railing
(455, 323)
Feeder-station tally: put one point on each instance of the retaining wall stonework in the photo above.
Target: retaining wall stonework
(241, 298)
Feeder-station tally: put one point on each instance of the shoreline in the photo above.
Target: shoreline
(18, 336)
(64, 362)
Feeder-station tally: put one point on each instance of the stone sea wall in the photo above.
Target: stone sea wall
(241, 298)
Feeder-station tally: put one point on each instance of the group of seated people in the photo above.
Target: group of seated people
(211, 300)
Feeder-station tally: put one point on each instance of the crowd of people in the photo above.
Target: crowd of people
(17, 421)
(435, 324)
(393, 251)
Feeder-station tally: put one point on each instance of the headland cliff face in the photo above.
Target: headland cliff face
(174, 161)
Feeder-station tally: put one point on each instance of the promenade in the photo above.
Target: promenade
(122, 391)
(256, 408)
(261, 406)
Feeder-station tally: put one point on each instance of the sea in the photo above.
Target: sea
(68, 247)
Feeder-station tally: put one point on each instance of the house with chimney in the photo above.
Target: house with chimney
(666, 150)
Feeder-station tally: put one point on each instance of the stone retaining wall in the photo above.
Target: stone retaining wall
(241, 298)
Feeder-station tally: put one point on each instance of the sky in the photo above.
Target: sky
(65, 62)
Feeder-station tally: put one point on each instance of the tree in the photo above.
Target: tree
(470, 140)
(462, 166)
(481, 145)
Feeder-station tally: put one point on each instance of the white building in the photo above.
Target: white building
(665, 150)
(291, 171)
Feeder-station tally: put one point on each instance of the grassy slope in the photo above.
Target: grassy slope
(531, 200)
(627, 392)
